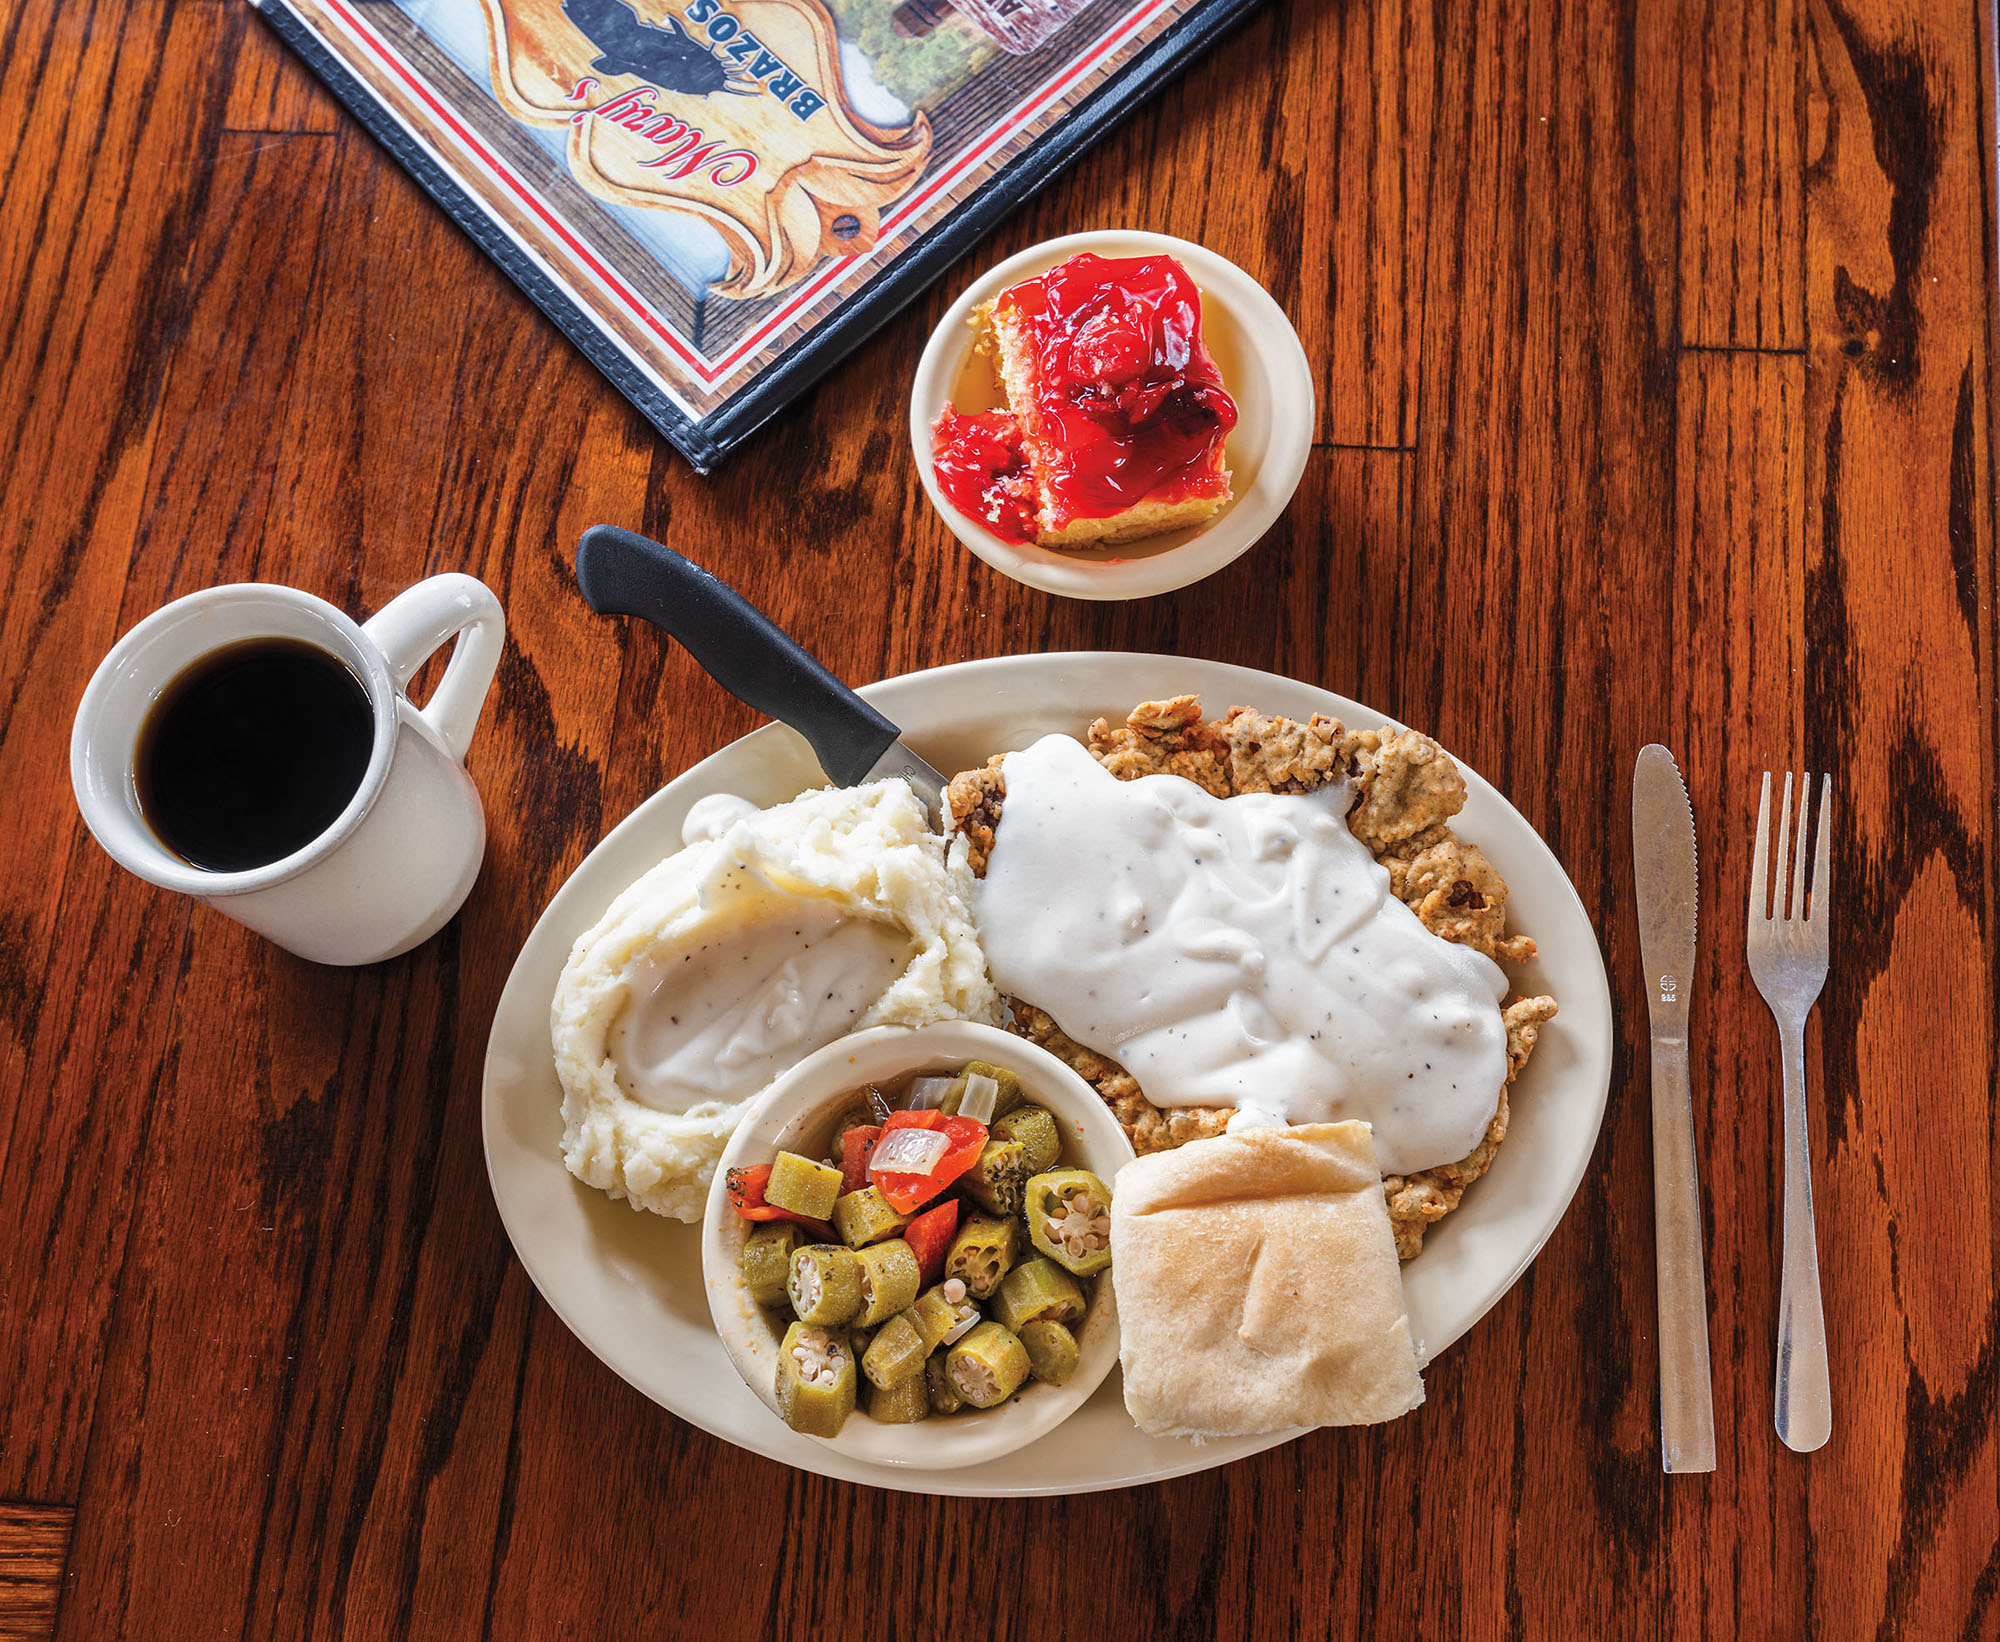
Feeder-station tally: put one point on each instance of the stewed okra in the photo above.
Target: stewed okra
(936, 1259)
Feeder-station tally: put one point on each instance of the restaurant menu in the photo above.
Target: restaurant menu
(718, 199)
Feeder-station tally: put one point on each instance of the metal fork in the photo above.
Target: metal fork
(1787, 949)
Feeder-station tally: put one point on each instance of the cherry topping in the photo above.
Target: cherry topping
(981, 468)
(1128, 403)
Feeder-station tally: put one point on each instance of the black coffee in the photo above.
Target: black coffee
(252, 752)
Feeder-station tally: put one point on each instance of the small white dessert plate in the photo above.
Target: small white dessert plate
(1263, 366)
(629, 1284)
(792, 1115)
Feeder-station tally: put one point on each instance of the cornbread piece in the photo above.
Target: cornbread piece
(1116, 414)
(1406, 790)
(1257, 1286)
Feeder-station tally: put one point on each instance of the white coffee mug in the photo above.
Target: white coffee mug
(402, 856)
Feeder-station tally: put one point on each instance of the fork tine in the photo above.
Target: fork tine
(1760, 885)
(1822, 882)
(1781, 867)
(1804, 849)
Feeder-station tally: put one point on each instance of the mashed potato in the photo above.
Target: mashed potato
(771, 934)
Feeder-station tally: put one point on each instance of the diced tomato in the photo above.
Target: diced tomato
(929, 1237)
(964, 1138)
(746, 1196)
(856, 1147)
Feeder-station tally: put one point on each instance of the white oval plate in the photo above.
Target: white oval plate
(1263, 366)
(629, 1284)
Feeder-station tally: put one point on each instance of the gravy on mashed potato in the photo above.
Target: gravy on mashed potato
(772, 933)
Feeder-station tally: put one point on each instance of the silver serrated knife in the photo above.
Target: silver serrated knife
(1663, 865)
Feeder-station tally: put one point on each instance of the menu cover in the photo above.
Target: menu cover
(718, 199)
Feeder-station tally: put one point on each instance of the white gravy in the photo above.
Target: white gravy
(1240, 952)
(719, 1019)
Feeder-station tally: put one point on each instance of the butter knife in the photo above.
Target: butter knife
(622, 573)
(1663, 864)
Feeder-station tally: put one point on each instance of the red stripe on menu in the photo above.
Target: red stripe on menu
(709, 373)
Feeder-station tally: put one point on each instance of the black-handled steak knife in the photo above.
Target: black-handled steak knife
(622, 573)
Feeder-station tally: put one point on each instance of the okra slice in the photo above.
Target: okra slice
(988, 1366)
(1038, 1288)
(1010, 1094)
(865, 1217)
(825, 1284)
(965, 1313)
(889, 1279)
(766, 1260)
(904, 1403)
(815, 1380)
(1051, 1350)
(1069, 1219)
(1035, 1128)
(802, 1186)
(995, 1182)
(895, 1354)
(984, 1251)
(937, 1383)
(933, 1315)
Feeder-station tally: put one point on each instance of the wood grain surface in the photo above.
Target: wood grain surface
(33, 1539)
(1656, 364)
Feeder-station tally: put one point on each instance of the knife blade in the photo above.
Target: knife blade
(622, 573)
(1665, 873)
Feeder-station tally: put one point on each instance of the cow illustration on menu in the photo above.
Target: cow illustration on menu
(668, 56)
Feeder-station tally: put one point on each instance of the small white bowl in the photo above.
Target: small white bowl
(1263, 367)
(810, 1095)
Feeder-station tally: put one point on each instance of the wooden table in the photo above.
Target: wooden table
(1655, 353)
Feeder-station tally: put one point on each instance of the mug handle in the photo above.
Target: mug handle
(411, 627)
